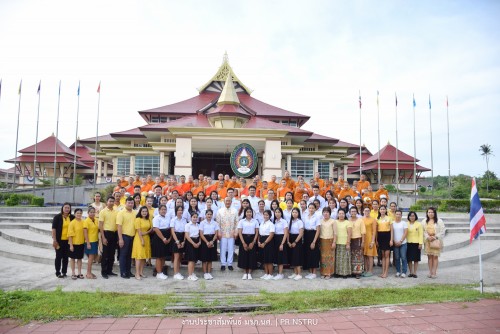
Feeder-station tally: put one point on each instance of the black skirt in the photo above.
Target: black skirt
(77, 252)
(296, 253)
(267, 254)
(247, 259)
(384, 240)
(192, 253)
(311, 256)
(281, 256)
(208, 254)
(412, 252)
(158, 248)
(180, 237)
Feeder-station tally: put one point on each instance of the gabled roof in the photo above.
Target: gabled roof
(392, 166)
(47, 146)
(315, 138)
(388, 153)
(186, 107)
(346, 144)
(91, 140)
(132, 133)
(262, 123)
(194, 121)
(354, 166)
(266, 110)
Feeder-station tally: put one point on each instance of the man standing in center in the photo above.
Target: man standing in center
(125, 221)
(227, 218)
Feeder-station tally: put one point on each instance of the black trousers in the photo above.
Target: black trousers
(62, 257)
(108, 252)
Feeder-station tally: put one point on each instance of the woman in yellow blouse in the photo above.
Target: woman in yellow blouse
(91, 234)
(384, 241)
(327, 245)
(343, 245)
(433, 230)
(141, 248)
(415, 240)
(357, 243)
(76, 240)
(370, 248)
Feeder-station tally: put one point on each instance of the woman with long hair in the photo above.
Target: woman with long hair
(76, 240)
(384, 241)
(434, 231)
(244, 205)
(91, 235)
(281, 227)
(248, 233)
(60, 224)
(266, 244)
(415, 243)
(295, 244)
(399, 233)
(178, 229)
(208, 234)
(141, 247)
(370, 247)
(343, 227)
(193, 244)
(327, 245)
(312, 229)
(357, 243)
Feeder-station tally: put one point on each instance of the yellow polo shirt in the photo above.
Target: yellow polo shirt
(75, 230)
(92, 229)
(64, 233)
(108, 217)
(126, 219)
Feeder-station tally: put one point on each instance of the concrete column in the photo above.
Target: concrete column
(166, 163)
(132, 165)
(162, 162)
(289, 162)
(99, 172)
(330, 169)
(115, 169)
(345, 172)
(271, 164)
(315, 166)
(183, 158)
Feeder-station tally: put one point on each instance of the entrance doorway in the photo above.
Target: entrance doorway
(211, 164)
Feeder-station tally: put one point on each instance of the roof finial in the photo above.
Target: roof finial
(225, 59)
(228, 94)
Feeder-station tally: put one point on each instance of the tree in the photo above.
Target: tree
(486, 151)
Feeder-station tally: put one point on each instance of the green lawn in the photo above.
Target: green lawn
(53, 305)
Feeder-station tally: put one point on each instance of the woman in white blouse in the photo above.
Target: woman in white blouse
(295, 244)
(248, 232)
(208, 234)
(280, 241)
(266, 246)
(311, 241)
(160, 243)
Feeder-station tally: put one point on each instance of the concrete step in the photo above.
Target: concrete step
(41, 214)
(55, 209)
(26, 220)
(27, 237)
(459, 240)
(489, 229)
(14, 250)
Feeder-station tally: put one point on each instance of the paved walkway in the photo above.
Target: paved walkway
(468, 317)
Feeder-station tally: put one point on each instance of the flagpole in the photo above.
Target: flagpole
(55, 145)
(360, 150)
(480, 265)
(36, 137)
(97, 135)
(76, 142)
(432, 157)
(449, 163)
(378, 129)
(17, 137)
(414, 153)
(397, 151)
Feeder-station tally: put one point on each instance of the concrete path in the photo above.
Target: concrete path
(468, 317)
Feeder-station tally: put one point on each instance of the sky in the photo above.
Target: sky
(313, 58)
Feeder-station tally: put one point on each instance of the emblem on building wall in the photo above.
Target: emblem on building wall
(244, 160)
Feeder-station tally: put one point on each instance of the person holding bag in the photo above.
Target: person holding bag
(434, 231)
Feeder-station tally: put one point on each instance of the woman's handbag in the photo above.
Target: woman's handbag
(435, 244)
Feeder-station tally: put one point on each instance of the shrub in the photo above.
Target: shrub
(37, 201)
(13, 200)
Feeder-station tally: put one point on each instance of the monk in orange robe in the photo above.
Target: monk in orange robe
(290, 183)
(273, 184)
(363, 183)
(283, 190)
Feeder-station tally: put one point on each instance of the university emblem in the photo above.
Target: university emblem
(244, 160)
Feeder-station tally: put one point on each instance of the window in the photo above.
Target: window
(122, 166)
(293, 123)
(146, 164)
(142, 145)
(302, 167)
(324, 170)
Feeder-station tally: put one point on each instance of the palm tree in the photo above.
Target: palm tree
(486, 151)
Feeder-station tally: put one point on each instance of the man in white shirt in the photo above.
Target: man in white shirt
(317, 196)
(227, 218)
(235, 203)
(270, 198)
(254, 200)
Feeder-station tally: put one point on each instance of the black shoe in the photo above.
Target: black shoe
(154, 273)
(125, 276)
(222, 268)
(230, 268)
(130, 274)
(112, 274)
(165, 270)
(105, 276)
(64, 275)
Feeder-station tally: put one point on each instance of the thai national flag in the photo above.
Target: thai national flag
(477, 219)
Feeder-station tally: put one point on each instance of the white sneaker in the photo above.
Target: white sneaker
(278, 277)
(210, 275)
(398, 274)
(249, 276)
(403, 275)
(205, 276)
(263, 276)
(178, 276)
(245, 276)
(192, 277)
(311, 276)
(161, 276)
(268, 277)
(292, 276)
(297, 277)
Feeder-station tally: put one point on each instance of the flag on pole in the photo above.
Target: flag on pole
(396, 99)
(20, 85)
(477, 219)
(78, 93)
(414, 103)
(430, 106)
(39, 85)
(360, 100)
(446, 101)
(99, 88)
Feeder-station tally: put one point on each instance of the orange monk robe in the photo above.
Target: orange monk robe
(282, 192)
(259, 185)
(273, 185)
(263, 193)
(363, 185)
(167, 189)
(222, 192)
(323, 191)
(297, 194)
(163, 183)
(290, 183)
(179, 189)
(209, 189)
(234, 185)
(145, 188)
(124, 184)
(344, 192)
(320, 182)
(137, 183)
(244, 191)
(130, 189)
(226, 183)
(196, 190)
(186, 187)
(151, 182)
(381, 192)
(369, 195)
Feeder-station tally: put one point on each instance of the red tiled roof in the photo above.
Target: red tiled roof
(388, 153)
(346, 144)
(195, 121)
(229, 110)
(354, 166)
(321, 139)
(266, 110)
(392, 166)
(86, 154)
(91, 140)
(189, 106)
(132, 133)
(47, 146)
(262, 123)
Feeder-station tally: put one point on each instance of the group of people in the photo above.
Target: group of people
(326, 228)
